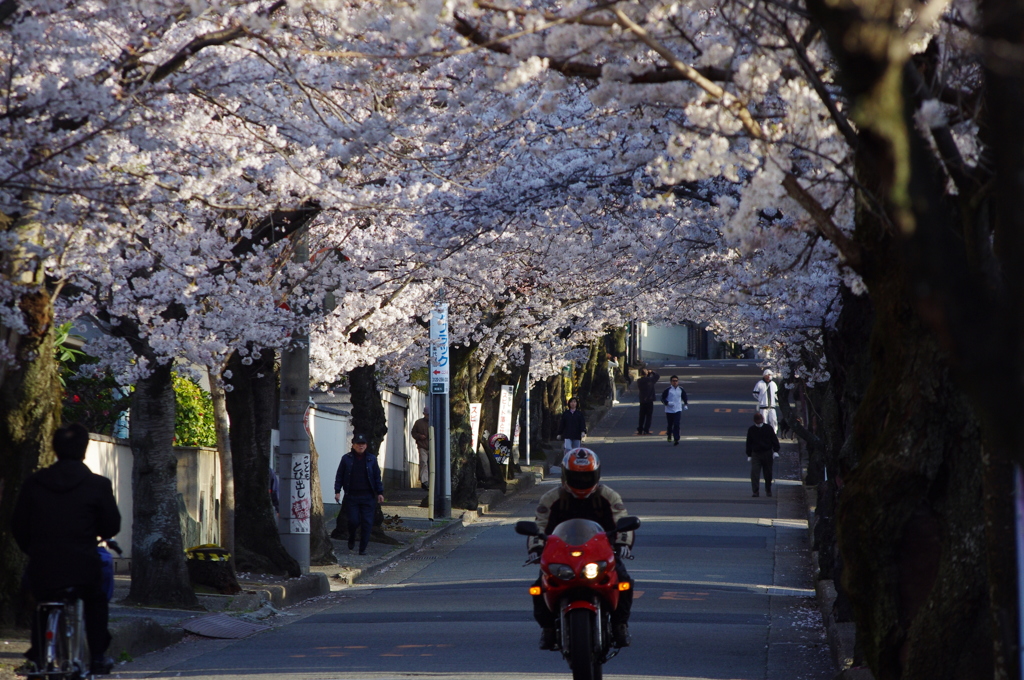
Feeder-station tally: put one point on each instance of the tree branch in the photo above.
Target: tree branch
(848, 249)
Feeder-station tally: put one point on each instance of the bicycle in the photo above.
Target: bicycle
(60, 641)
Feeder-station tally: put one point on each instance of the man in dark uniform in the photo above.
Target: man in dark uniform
(359, 475)
(762, 450)
(60, 513)
(581, 497)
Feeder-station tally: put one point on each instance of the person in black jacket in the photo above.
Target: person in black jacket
(359, 475)
(762, 450)
(645, 386)
(573, 428)
(58, 516)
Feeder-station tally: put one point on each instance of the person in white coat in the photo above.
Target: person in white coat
(766, 394)
(675, 401)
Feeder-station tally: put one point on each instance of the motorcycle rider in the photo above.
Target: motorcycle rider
(57, 518)
(581, 496)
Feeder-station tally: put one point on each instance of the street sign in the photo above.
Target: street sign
(439, 349)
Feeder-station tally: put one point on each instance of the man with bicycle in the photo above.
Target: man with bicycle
(60, 513)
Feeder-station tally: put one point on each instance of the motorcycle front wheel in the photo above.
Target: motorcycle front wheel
(583, 660)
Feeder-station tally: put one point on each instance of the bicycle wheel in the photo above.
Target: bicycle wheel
(57, 657)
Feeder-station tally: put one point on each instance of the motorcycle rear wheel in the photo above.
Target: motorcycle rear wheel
(583, 660)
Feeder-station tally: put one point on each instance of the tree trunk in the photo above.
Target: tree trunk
(591, 387)
(321, 550)
(368, 418)
(227, 470)
(463, 453)
(159, 573)
(30, 406)
(251, 405)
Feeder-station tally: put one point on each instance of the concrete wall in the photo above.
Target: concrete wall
(417, 400)
(198, 488)
(332, 439)
(664, 342)
(394, 452)
(199, 494)
(112, 458)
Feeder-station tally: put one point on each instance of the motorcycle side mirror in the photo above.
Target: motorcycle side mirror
(527, 528)
(628, 524)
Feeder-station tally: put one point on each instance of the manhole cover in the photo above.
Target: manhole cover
(222, 626)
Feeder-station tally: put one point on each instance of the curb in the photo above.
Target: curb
(842, 636)
(135, 637)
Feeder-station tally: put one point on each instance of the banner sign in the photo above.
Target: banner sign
(301, 496)
(474, 424)
(505, 426)
(439, 349)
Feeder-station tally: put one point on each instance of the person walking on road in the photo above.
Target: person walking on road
(645, 386)
(674, 399)
(421, 435)
(58, 515)
(573, 428)
(762, 450)
(613, 366)
(766, 391)
(359, 475)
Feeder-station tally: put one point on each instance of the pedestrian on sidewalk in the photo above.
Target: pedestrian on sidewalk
(765, 391)
(573, 428)
(359, 476)
(421, 435)
(762, 450)
(674, 399)
(645, 386)
(613, 365)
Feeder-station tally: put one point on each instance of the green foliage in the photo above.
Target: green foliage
(65, 354)
(193, 416)
(94, 401)
(420, 377)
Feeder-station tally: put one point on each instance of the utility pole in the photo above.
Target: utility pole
(440, 504)
(292, 460)
(527, 355)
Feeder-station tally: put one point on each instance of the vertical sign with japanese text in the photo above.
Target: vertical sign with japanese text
(505, 425)
(474, 424)
(301, 495)
(439, 349)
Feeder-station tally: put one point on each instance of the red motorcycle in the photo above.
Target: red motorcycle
(579, 582)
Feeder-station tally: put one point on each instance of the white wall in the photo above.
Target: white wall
(664, 342)
(331, 437)
(113, 459)
(417, 401)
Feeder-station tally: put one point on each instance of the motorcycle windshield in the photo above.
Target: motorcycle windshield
(577, 531)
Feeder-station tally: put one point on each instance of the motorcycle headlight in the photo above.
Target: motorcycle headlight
(594, 569)
(562, 571)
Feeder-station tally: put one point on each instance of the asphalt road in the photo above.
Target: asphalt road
(723, 579)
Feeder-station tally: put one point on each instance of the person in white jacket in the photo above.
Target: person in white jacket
(765, 392)
(674, 399)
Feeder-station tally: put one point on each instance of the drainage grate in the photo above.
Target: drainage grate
(222, 626)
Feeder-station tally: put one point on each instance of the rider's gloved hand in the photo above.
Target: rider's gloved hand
(625, 553)
(775, 455)
(533, 558)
